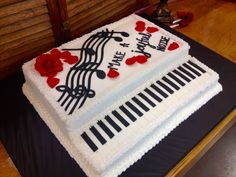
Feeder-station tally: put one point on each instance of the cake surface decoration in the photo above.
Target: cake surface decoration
(113, 94)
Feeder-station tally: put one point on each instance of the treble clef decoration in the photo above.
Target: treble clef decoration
(78, 92)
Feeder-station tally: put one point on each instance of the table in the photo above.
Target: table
(36, 152)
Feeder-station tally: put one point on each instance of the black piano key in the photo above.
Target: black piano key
(192, 69)
(153, 95)
(186, 72)
(147, 99)
(176, 79)
(113, 124)
(170, 82)
(168, 89)
(181, 75)
(196, 66)
(143, 106)
(98, 135)
(125, 111)
(159, 91)
(131, 106)
(120, 118)
(89, 142)
(105, 129)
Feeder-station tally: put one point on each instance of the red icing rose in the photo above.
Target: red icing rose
(48, 65)
(56, 53)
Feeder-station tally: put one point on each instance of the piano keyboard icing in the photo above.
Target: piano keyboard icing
(134, 109)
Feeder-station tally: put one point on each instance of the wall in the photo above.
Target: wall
(30, 27)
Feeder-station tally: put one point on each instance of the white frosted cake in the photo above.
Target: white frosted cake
(113, 94)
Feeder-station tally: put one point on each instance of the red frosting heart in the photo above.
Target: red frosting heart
(173, 46)
(113, 73)
(56, 53)
(71, 60)
(140, 26)
(141, 59)
(152, 29)
(52, 81)
(130, 61)
(65, 54)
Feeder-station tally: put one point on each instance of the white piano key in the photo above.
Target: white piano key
(109, 127)
(150, 97)
(184, 74)
(93, 138)
(180, 78)
(117, 121)
(189, 71)
(137, 106)
(174, 81)
(157, 93)
(124, 116)
(131, 112)
(144, 102)
(100, 130)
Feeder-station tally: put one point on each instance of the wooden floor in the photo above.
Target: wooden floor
(213, 26)
(7, 168)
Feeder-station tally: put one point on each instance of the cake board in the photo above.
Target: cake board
(36, 152)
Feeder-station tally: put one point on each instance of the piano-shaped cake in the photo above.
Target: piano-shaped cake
(113, 94)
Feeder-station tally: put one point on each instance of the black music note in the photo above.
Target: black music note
(124, 34)
(100, 74)
(105, 34)
(89, 51)
(118, 39)
(83, 67)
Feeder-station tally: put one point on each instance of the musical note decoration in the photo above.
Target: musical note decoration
(100, 74)
(105, 34)
(77, 87)
(86, 67)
